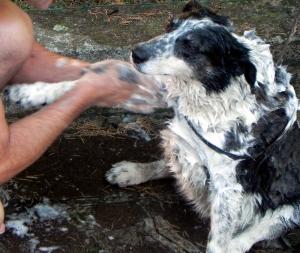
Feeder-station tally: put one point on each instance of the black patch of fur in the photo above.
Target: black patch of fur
(193, 9)
(279, 100)
(173, 25)
(267, 129)
(143, 52)
(206, 171)
(233, 140)
(261, 94)
(216, 57)
(275, 174)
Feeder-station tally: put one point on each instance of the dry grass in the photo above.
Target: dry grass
(91, 128)
(124, 19)
(94, 128)
(87, 3)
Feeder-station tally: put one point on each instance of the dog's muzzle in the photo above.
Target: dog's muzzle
(141, 54)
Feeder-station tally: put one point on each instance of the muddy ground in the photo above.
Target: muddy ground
(62, 203)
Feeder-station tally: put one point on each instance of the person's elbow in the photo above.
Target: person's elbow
(9, 167)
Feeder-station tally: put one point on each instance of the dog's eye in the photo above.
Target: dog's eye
(189, 50)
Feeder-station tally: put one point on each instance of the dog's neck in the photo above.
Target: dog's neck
(235, 119)
(214, 112)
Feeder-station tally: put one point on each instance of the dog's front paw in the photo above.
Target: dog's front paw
(125, 174)
(36, 95)
(15, 95)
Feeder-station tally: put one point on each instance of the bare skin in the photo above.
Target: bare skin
(22, 60)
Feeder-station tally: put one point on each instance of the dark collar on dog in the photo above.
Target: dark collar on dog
(215, 148)
(234, 156)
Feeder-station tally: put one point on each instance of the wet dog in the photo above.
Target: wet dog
(232, 144)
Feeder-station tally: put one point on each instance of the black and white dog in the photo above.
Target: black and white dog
(232, 143)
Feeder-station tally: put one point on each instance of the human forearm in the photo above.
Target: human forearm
(28, 138)
(110, 83)
(45, 66)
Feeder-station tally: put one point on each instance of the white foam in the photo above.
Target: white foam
(34, 242)
(47, 212)
(18, 223)
(48, 249)
(18, 227)
(23, 224)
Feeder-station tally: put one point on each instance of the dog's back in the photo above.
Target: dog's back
(276, 173)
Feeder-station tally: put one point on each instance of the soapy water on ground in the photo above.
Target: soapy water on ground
(20, 224)
(47, 216)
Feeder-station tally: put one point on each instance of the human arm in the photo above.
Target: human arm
(45, 66)
(24, 141)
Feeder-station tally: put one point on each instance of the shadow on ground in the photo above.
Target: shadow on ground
(62, 203)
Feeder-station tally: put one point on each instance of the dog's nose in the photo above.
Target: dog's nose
(140, 55)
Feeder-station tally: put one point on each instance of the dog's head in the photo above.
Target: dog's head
(199, 45)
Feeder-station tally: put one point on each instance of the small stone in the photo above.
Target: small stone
(60, 28)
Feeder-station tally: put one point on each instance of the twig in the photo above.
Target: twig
(290, 37)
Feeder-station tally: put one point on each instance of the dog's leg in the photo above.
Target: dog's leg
(273, 224)
(225, 209)
(128, 173)
(31, 96)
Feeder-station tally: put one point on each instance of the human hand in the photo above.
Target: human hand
(119, 84)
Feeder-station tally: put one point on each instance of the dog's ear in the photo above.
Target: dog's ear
(250, 73)
(228, 52)
(195, 10)
(192, 5)
(238, 57)
(241, 64)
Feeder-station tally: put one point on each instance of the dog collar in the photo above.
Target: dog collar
(214, 147)
(231, 155)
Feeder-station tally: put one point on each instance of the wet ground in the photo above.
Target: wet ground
(62, 203)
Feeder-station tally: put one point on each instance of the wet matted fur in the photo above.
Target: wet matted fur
(231, 145)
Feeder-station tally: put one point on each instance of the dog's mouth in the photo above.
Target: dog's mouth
(139, 67)
(164, 79)
(135, 65)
